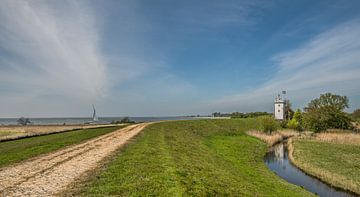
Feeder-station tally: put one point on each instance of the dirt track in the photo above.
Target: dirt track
(49, 174)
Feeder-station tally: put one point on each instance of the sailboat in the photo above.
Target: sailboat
(95, 118)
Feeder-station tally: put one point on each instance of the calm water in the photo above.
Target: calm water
(102, 120)
(277, 161)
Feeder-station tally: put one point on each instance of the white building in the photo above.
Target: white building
(279, 108)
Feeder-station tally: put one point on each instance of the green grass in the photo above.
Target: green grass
(18, 150)
(192, 158)
(337, 164)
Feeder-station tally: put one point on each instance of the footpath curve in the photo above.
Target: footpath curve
(50, 174)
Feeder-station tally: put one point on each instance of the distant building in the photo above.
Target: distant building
(279, 108)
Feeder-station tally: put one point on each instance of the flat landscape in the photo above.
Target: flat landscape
(195, 158)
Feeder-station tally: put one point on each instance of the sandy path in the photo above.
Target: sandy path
(50, 174)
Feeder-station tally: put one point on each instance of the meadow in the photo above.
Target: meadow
(191, 158)
(21, 149)
(333, 158)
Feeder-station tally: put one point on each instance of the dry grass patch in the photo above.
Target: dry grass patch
(275, 137)
(339, 138)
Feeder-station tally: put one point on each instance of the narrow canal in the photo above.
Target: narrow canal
(277, 160)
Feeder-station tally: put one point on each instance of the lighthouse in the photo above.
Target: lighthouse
(279, 112)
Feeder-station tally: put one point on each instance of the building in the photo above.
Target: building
(279, 112)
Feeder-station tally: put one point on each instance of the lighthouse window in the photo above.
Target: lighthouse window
(279, 110)
(278, 105)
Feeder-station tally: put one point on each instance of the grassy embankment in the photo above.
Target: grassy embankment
(18, 150)
(196, 158)
(334, 158)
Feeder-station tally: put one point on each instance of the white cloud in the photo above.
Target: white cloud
(50, 49)
(328, 62)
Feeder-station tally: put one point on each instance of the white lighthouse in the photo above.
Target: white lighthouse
(279, 108)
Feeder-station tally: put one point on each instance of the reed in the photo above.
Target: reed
(275, 137)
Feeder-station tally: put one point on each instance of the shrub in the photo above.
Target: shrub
(124, 120)
(293, 124)
(269, 124)
(297, 122)
(284, 124)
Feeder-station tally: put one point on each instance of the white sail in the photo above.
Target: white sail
(95, 118)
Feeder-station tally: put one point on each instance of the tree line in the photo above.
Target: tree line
(321, 114)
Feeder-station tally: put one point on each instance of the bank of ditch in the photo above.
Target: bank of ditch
(332, 158)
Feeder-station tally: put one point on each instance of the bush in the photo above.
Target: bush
(124, 120)
(269, 124)
(297, 122)
(293, 124)
(284, 124)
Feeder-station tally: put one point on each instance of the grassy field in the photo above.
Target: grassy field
(18, 150)
(195, 158)
(335, 163)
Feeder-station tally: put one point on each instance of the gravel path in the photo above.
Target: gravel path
(49, 174)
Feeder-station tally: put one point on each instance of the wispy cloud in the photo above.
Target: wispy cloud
(50, 48)
(328, 62)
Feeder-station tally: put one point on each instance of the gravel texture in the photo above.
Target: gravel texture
(50, 174)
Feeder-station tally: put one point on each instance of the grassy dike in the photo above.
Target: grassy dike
(335, 163)
(195, 158)
(21, 149)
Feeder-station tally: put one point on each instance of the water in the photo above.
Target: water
(102, 120)
(277, 161)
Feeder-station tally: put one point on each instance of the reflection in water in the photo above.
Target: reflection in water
(277, 161)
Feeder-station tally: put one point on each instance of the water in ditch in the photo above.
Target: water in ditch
(277, 160)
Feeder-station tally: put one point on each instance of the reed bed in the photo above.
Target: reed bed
(275, 137)
(339, 138)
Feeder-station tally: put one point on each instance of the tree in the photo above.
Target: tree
(23, 121)
(269, 124)
(327, 112)
(328, 100)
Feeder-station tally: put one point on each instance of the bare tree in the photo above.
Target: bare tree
(23, 121)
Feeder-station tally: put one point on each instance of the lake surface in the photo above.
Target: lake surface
(277, 160)
(102, 120)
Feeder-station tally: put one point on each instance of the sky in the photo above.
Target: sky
(168, 58)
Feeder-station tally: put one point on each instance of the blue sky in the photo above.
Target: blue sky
(161, 57)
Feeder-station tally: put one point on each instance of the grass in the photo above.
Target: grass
(18, 150)
(192, 158)
(334, 163)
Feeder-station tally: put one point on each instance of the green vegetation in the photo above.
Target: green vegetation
(124, 120)
(269, 124)
(296, 122)
(356, 115)
(327, 112)
(337, 164)
(240, 114)
(18, 150)
(192, 158)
